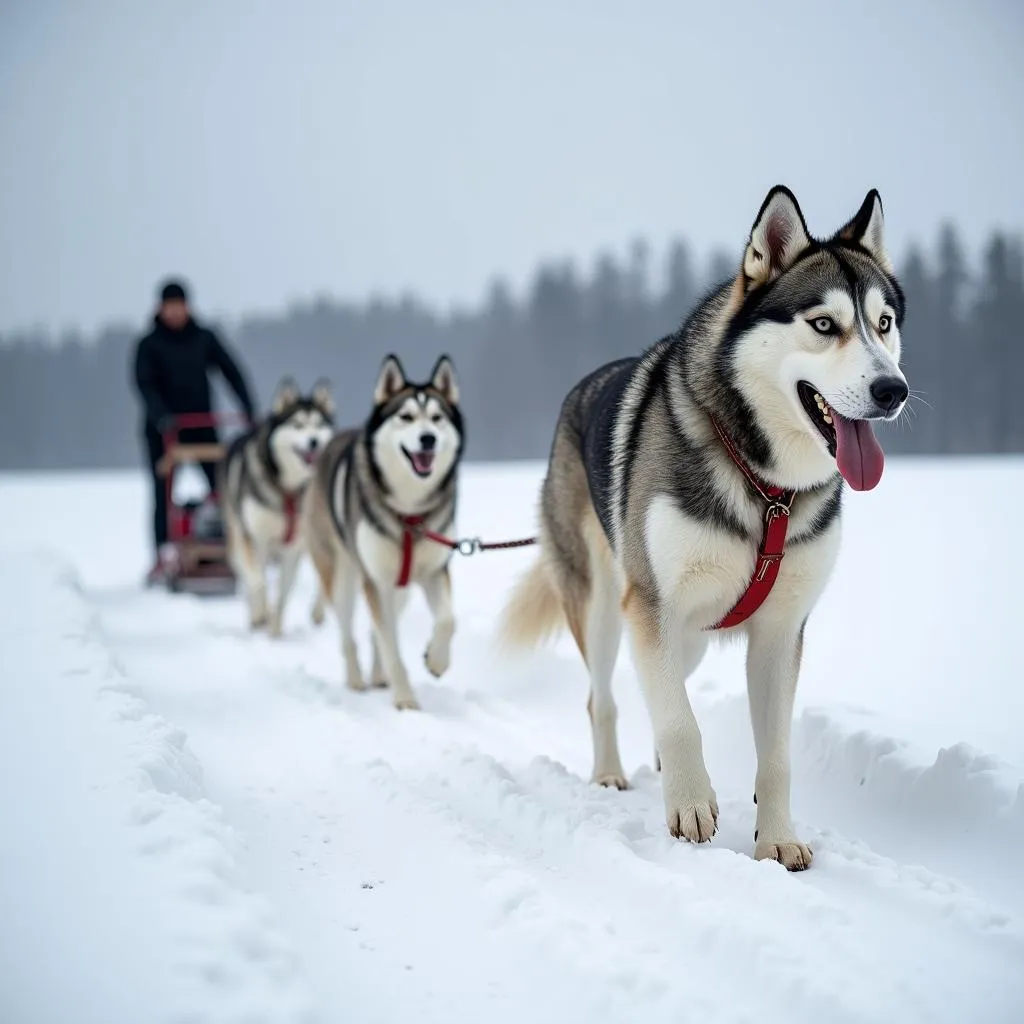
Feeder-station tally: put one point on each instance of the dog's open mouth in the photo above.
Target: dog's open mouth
(422, 461)
(308, 455)
(852, 443)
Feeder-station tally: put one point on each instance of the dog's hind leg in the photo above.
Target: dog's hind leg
(285, 581)
(437, 589)
(323, 563)
(346, 590)
(602, 632)
(773, 663)
(232, 540)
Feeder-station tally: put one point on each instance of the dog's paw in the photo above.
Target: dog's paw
(379, 683)
(317, 615)
(407, 704)
(695, 820)
(610, 780)
(274, 627)
(355, 682)
(437, 657)
(257, 620)
(790, 853)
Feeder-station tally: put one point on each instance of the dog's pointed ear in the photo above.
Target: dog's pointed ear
(444, 381)
(322, 397)
(778, 237)
(390, 381)
(287, 394)
(867, 229)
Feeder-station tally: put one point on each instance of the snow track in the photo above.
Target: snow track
(309, 854)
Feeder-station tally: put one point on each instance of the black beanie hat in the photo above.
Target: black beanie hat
(173, 290)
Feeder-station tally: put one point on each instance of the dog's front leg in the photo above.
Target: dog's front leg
(378, 677)
(437, 589)
(319, 610)
(285, 581)
(773, 663)
(254, 575)
(383, 602)
(665, 654)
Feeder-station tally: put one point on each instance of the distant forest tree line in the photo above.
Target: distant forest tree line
(68, 403)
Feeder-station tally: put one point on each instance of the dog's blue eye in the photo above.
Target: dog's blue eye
(884, 323)
(824, 325)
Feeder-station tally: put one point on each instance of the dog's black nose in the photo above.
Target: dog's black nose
(313, 444)
(889, 392)
(427, 442)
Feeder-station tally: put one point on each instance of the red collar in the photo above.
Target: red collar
(773, 538)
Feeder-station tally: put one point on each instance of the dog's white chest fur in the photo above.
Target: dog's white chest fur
(702, 572)
(382, 557)
(266, 526)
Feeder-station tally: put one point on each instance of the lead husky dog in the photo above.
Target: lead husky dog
(646, 516)
(262, 480)
(374, 491)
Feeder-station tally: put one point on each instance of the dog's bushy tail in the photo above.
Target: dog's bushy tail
(534, 612)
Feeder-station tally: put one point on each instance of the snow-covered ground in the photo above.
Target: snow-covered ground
(201, 825)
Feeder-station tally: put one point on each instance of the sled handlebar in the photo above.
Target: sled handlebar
(192, 420)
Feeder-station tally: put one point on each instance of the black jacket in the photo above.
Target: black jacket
(172, 367)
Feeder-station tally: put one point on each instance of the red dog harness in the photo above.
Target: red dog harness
(409, 524)
(766, 569)
(773, 539)
(291, 517)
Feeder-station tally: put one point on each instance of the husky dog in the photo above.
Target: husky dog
(374, 491)
(262, 479)
(669, 473)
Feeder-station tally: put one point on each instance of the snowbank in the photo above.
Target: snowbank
(120, 891)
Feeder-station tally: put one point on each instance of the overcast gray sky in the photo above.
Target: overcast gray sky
(275, 150)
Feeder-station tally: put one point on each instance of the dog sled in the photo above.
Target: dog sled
(197, 552)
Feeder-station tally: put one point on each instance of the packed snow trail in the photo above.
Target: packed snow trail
(456, 865)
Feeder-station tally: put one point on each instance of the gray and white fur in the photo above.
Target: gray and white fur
(402, 463)
(646, 519)
(264, 470)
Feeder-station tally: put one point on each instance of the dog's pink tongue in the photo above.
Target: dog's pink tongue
(858, 453)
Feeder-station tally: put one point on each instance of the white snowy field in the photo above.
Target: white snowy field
(201, 825)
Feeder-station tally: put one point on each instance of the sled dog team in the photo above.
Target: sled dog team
(691, 491)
